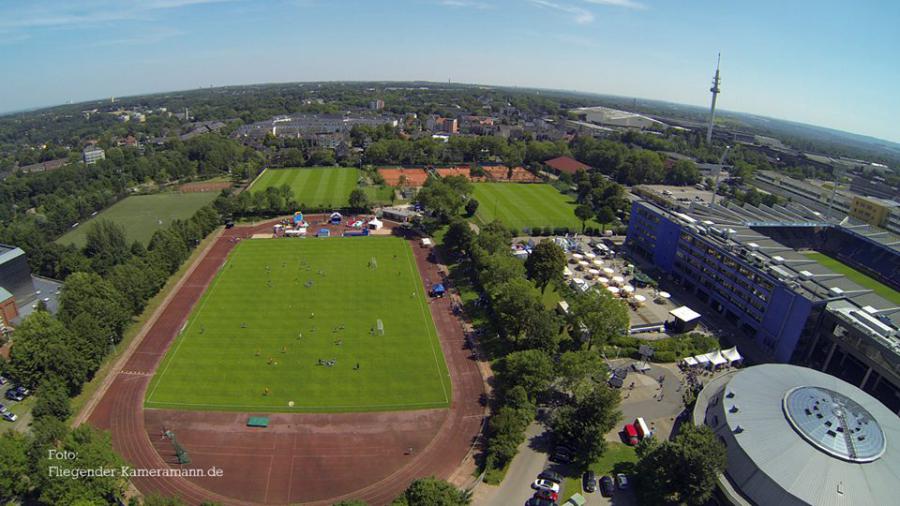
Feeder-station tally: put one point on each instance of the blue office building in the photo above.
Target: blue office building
(749, 264)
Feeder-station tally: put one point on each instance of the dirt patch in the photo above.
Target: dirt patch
(202, 186)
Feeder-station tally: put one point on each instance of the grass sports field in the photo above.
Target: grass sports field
(857, 277)
(526, 205)
(141, 215)
(317, 187)
(278, 306)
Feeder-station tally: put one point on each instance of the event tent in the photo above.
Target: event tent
(732, 355)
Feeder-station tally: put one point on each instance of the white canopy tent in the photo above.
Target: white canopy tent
(732, 355)
(690, 361)
(702, 360)
(375, 224)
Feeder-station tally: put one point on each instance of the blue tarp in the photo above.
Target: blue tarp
(438, 288)
(324, 232)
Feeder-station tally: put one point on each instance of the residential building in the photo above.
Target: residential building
(92, 154)
(872, 210)
(376, 105)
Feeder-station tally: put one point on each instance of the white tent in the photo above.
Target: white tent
(598, 262)
(583, 264)
(375, 224)
(690, 361)
(732, 355)
(628, 289)
(608, 271)
(715, 358)
(578, 281)
(618, 280)
(590, 256)
(567, 272)
(613, 290)
(593, 272)
(577, 256)
(426, 242)
(702, 360)
(640, 298)
(664, 295)
(603, 281)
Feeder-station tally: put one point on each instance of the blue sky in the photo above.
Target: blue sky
(830, 63)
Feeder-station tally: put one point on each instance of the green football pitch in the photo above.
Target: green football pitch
(316, 187)
(857, 277)
(142, 215)
(278, 307)
(526, 206)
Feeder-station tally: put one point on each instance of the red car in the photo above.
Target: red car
(631, 434)
(546, 494)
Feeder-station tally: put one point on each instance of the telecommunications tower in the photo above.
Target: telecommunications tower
(715, 93)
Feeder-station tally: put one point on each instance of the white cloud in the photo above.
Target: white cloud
(468, 4)
(88, 13)
(579, 15)
(618, 3)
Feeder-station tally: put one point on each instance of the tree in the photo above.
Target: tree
(94, 450)
(516, 303)
(44, 349)
(545, 264)
(52, 399)
(494, 237)
(584, 424)
(435, 492)
(459, 237)
(497, 269)
(683, 470)
(584, 212)
(603, 316)
(90, 294)
(443, 197)
(605, 216)
(359, 201)
(530, 369)
(471, 207)
(683, 172)
(14, 480)
(321, 158)
(106, 245)
(580, 372)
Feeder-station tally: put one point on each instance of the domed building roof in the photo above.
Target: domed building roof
(797, 436)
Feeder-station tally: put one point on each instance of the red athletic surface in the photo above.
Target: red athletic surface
(308, 458)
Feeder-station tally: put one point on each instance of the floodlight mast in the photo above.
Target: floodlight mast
(715, 93)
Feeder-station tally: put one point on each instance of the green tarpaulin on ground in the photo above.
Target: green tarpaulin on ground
(258, 421)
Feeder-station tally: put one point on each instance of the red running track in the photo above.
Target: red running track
(310, 458)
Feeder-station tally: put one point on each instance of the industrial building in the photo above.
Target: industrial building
(614, 117)
(748, 264)
(20, 290)
(797, 436)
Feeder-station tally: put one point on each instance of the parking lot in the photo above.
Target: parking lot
(22, 410)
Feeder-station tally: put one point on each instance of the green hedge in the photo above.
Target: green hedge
(670, 349)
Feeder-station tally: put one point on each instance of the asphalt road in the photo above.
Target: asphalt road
(523, 470)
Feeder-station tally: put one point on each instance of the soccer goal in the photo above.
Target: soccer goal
(373, 263)
(379, 327)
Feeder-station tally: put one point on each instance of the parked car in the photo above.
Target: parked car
(622, 481)
(589, 481)
(9, 416)
(561, 456)
(547, 494)
(607, 488)
(2, 380)
(23, 391)
(14, 396)
(540, 484)
(537, 501)
(553, 476)
(2, 408)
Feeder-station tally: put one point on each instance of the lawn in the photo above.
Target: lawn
(314, 187)
(619, 458)
(278, 306)
(142, 215)
(857, 277)
(526, 206)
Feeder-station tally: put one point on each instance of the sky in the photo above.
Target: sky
(828, 63)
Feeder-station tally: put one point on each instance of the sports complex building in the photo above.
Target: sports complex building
(797, 436)
(753, 266)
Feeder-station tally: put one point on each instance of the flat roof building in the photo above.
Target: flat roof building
(748, 265)
(797, 436)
